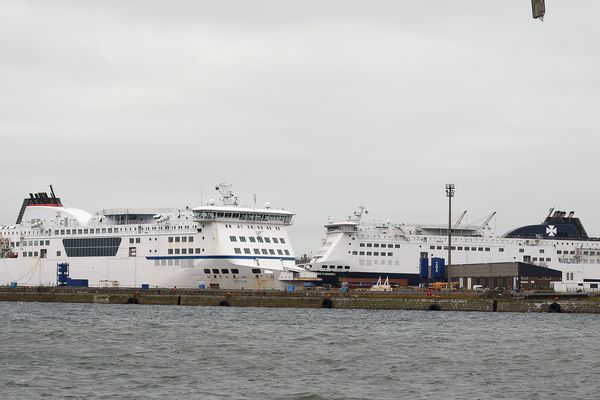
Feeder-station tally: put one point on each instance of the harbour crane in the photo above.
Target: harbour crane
(487, 221)
(460, 219)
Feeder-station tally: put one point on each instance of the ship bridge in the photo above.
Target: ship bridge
(240, 214)
(342, 227)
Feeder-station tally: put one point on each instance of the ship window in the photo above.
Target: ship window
(170, 251)
(480, 249)
(264, 251)
(501, 249)
(287, 252)
(256, 270)
(487, 249)
(130, 240)
(247, 251)
(369, 244)
(215, 271)
(271, 251)
(534, 258)
(177, 239)
(184, 239)
(252, 239)
(376, 253)
(137, 240)
(183, 251)
(354, 253)
(232, 238)
(190, 239)
(279, 252)
(197, 251)
(361, 244)
(281, 240)
(260, 239)
(68, 231)
(340, 267)
(347, 267)
(207, 271)
(275, 240)
(58, 253)
(369, 253)
(541, 251)
(177, 251)
(331, 266)
(256, 251)
(235, 271)
(237, 250)
(267, 240)
(242, 238)
(439, 247)
(362, 253)
(432, 247)
(224, 271)
(170, 239)
(521, 250)
(390, 254)
(92, 247)
(375, 244)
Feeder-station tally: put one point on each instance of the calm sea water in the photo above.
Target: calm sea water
(160, 352)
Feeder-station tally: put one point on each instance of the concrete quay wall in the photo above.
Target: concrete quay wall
(336, 300)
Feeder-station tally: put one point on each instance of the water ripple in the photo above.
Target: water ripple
(77, 351)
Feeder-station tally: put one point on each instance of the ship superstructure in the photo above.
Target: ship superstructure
(215, 245)
(356, 249)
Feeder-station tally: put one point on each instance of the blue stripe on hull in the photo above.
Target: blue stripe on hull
(218, 258)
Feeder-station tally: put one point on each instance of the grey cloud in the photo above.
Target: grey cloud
(317, 106)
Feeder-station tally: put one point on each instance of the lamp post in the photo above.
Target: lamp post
(450, 195)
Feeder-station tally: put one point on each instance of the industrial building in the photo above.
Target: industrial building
(510, 275)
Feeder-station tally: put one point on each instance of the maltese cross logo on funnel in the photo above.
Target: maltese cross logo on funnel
(551, 230)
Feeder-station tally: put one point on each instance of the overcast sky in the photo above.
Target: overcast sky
(317, 106)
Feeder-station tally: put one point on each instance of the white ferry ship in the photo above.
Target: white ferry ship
(219, 246)
(353, 250)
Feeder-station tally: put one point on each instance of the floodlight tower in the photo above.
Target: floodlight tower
(450, 195)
